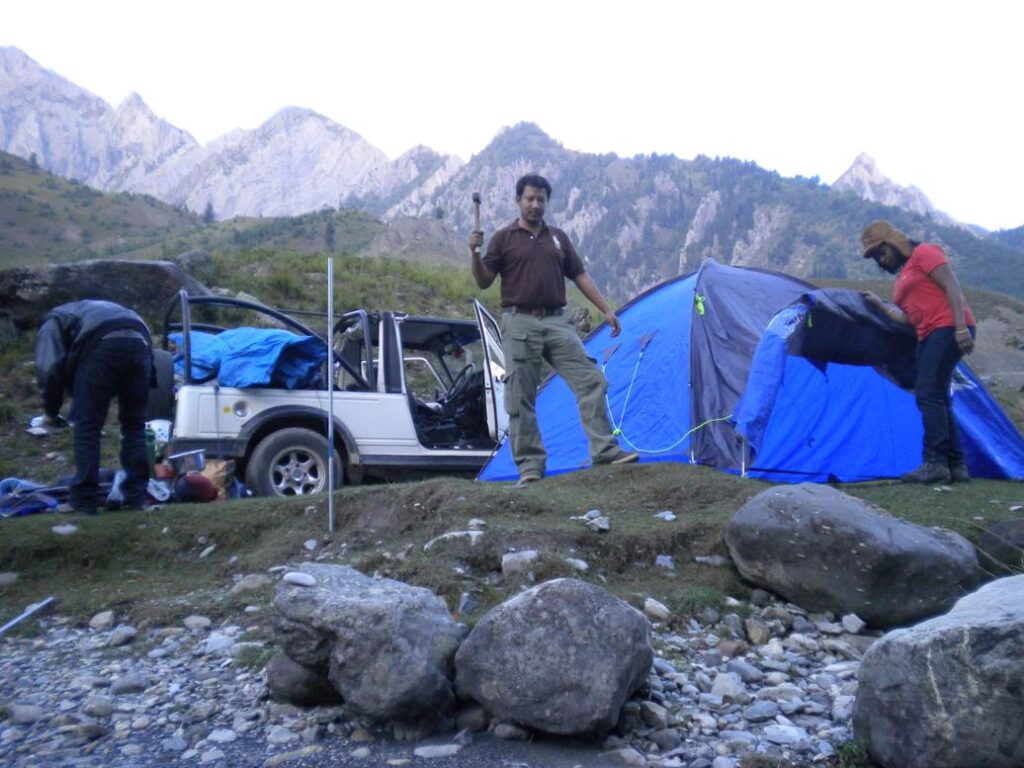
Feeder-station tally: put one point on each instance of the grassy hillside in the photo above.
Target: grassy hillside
(47, 219)
(44, 218)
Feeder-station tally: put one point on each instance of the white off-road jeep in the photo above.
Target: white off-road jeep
(409, 396)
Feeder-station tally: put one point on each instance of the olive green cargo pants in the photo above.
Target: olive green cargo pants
(528, 340)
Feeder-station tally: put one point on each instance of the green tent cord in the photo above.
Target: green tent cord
(617, 423)
(699, 300)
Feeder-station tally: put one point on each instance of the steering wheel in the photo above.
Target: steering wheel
(459, 384)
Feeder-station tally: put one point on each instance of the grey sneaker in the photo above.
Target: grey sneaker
(626, 458)
(527, 478)
(958, 473)
(929, 472)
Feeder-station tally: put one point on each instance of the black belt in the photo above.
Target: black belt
(515, 309)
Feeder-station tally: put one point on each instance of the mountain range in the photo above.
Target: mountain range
(636, 220)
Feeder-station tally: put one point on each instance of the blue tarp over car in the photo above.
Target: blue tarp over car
(254, 357)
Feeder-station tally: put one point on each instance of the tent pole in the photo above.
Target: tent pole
(330, 394)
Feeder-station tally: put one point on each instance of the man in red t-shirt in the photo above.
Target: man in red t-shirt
(927, 296)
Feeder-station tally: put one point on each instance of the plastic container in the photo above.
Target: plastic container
(150, 450)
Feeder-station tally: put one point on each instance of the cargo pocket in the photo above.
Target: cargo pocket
(511, 400)
(515, 356)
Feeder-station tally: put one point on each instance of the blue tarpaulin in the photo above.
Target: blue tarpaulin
(254, 357)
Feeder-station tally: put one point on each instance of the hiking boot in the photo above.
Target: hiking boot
(627, 458)
(527, 478)
(958, 473)
(929, 472)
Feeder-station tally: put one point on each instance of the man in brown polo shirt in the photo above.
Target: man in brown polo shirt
(533, 260)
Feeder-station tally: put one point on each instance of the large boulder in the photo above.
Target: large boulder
(1001, 547)
(828, 551)
(28, 293)
(562, 657)
(949, 693)
(387, 646)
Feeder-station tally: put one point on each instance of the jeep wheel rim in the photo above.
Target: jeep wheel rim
(296, 472)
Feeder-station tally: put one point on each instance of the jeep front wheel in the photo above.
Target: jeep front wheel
(291, 462)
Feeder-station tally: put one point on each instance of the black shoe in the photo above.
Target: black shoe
(929, 472)
(958, 473)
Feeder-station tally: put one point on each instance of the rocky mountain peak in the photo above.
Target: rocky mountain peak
(867, 181)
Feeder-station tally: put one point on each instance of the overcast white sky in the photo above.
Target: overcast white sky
(932, 90)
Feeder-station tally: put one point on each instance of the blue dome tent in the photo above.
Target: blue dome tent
(761, 374)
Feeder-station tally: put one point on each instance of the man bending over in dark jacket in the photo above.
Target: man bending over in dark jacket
(96, 351)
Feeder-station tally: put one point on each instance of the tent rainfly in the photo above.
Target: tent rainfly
(761, 374)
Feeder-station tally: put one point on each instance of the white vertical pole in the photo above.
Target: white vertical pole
(330, 394)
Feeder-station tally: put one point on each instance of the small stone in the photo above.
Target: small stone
(299, 579)
(361, 753)
(24, 714)
(437, 750)
(748, 672)
(476, 524)
(133, 682)
(518, 562)
(222, 736)
(89, 731)
(98, 707)
(785, 734)
(251, 582)
(206, 553)
(196, 623)
(218, 644)
(654, 715)
(665, 561)
(667, 515)
(310, 545)
(510, 732)
(8, 578)
(65, 529)
(656, 611)
(278, 734)
(600, 524)
(853, 623)
(728, 685)
(761, 710)
(121, 636)
(211, 756)
(626, 756)
(102, 621)
(757, 631)
(577, 565)
(716, 561)
(174, 744)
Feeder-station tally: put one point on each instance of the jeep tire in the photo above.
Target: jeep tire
(291, 462)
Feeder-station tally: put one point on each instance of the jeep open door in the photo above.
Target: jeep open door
(494, 372)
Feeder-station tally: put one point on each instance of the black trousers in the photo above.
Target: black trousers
(937, 357)
(114, 368)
